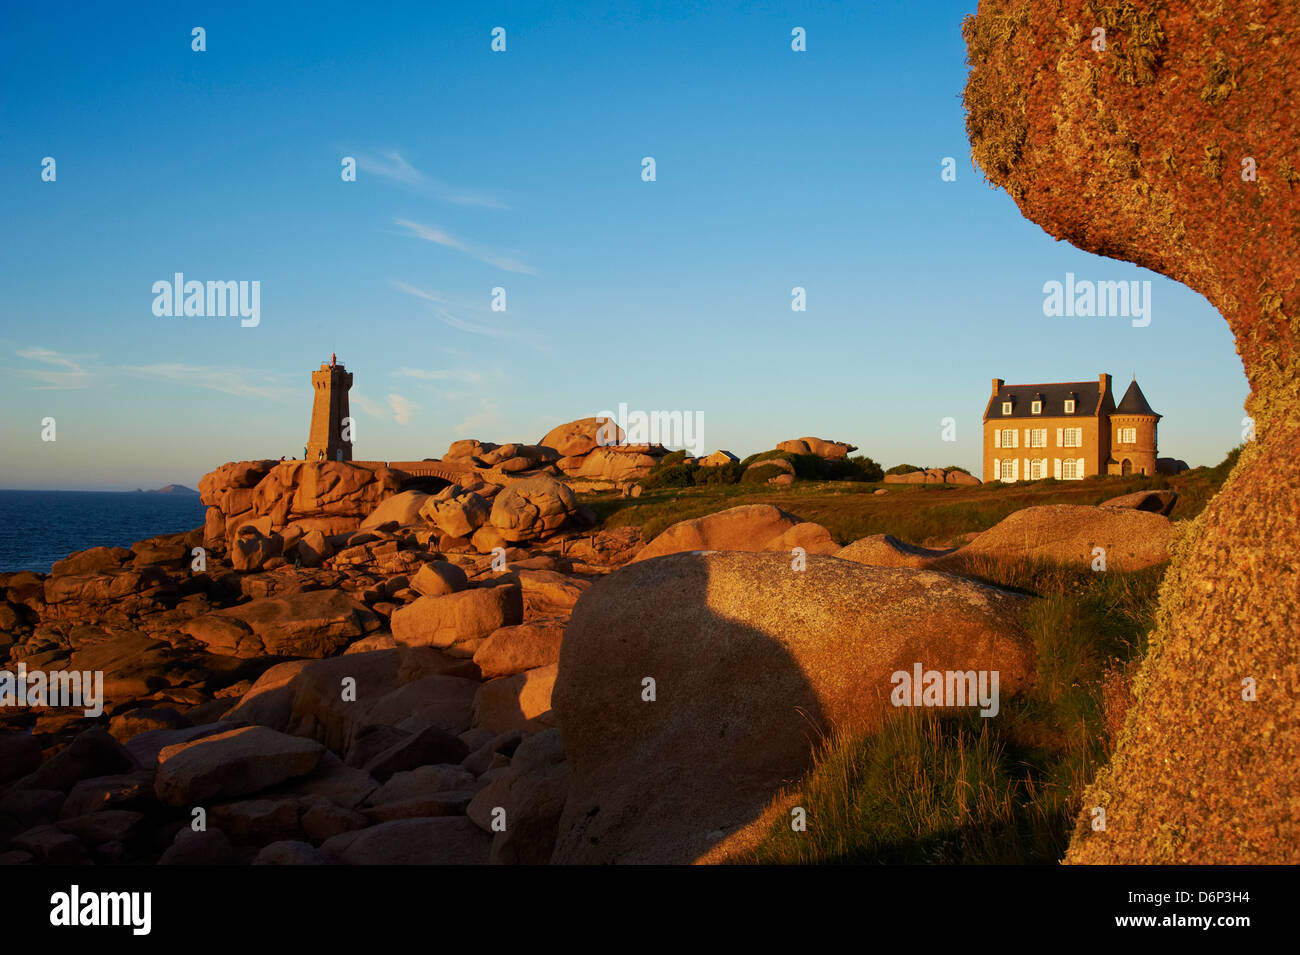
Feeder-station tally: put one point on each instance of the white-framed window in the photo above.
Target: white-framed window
(1010, 438)
(1036, 407)
(1037, 469)
(1038, 438)
(1070, 469)
(1006, 407)
(1128, 436)
(1072, 438)
(1069, 406)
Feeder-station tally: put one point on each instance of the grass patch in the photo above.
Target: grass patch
(958, 789)
(932, 515)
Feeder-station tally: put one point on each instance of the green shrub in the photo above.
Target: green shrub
(761, 474)
(674, 475)
(866, 469)
(765, 456)
(671, 458)
(903, 469)
(810, 467)
(729, 473)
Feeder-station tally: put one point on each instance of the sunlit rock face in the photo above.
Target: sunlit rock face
(1175, 148)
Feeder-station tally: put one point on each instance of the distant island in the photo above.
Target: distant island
(168, 489)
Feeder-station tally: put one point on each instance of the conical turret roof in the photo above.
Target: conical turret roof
(1134, 402)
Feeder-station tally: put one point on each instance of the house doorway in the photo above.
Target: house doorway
(1126, 468)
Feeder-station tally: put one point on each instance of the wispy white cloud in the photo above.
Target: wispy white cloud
(395, 168)
(468, 376)
(372, 408)
(223, 380)
(505, 261)
(402, 408)
(418, 292)
(461, 325)
(398, 408)
(61, 371)
(451, 320)
(482, 420)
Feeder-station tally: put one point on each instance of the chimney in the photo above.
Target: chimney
(1104, 380)
(997, 386)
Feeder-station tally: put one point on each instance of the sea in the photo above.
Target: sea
(39, 527)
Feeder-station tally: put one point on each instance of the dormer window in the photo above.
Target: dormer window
(1036, 407)
(1069, 406)
(1006, 407)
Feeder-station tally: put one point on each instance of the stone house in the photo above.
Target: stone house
(1068, 431)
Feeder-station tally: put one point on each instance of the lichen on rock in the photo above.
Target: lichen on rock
(1134, 153)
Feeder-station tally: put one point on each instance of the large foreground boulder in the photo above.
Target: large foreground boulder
(751, 661)
(750, 527)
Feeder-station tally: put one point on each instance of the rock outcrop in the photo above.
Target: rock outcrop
(749, 527)
(1157, 502)
(831, 450)
(883, 550)
(933, 476)
(578, 438)
(1071, 534)
(1138, 153)
(329, 496)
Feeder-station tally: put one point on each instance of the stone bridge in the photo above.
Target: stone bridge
(450, 471)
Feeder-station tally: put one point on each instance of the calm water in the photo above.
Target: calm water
(39, 527)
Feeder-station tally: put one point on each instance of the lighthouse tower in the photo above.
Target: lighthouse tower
(329, 414)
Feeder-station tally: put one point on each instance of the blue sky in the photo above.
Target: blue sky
(522, 170)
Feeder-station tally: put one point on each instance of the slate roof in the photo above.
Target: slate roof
(1086, 395)
(1134, 402)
